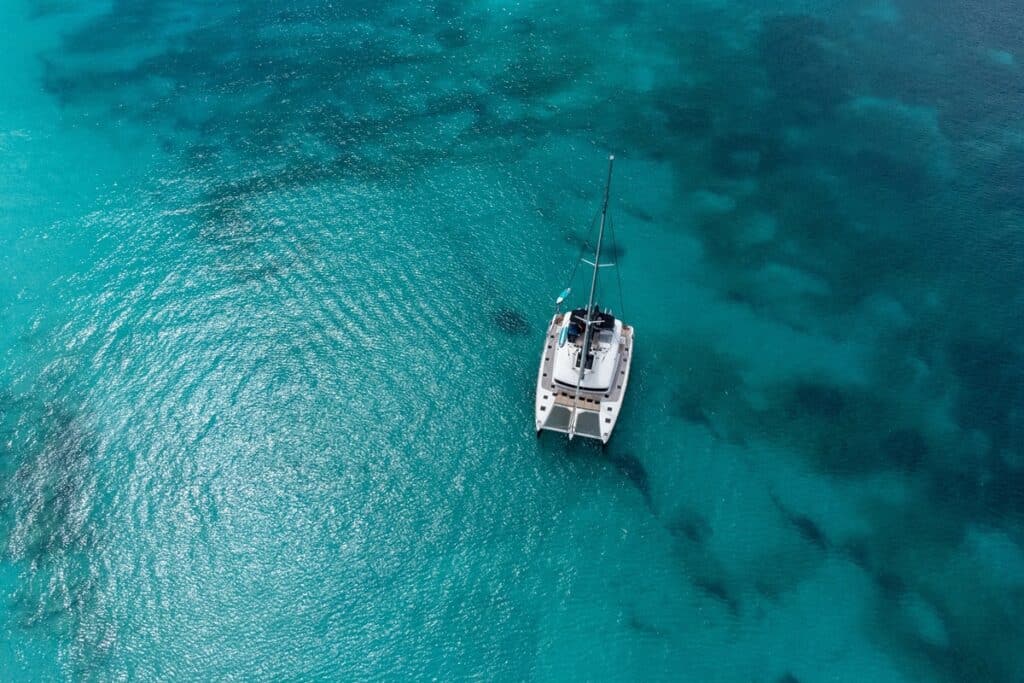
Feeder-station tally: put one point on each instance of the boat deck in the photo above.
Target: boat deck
(588, 399)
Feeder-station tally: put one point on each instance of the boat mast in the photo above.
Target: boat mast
(588, 320)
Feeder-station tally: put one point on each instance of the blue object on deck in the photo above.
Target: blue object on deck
(563, 336)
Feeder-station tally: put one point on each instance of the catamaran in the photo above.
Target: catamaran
(584, 367)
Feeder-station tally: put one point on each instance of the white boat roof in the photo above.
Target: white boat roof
(604, 347)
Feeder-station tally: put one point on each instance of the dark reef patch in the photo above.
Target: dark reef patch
(717, 589)
(637, 212)
(692, 527)
(992, 374)
(992, 491)
(890, 585)
(49, 486)
(1004, 178)
(510, 322)
(202, 155)
(630, 467)
(643, 627)
(835, 427)
(804, 71)
(816, 400)
(49, 510)
(804, 525)
(453, 37)
(537, 73)
(905, 449)
(40, 9)
(741, 154)
(691, 120)
(886, 172)
(689, 408)
(809, 530)
(217, 84)
(709, 383)
(226, 225)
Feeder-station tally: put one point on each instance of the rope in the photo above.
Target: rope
(583, 247)
(618, 272)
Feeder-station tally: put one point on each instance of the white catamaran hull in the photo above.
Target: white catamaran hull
(592, 411)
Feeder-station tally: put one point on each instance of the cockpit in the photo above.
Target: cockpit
(602, 324)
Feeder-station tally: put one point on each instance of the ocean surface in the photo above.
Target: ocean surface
(274, 278)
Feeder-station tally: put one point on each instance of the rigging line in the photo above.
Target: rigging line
(583, 247)
(618, 271)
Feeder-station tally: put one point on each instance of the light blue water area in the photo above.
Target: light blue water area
(274, 279)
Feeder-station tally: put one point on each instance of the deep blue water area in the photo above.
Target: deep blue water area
(274, 278)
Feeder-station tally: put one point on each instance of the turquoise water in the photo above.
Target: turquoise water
(273, 282)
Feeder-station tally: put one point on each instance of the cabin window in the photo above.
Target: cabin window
(590, 360)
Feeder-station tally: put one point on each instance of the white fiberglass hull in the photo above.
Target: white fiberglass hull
(594, 410)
